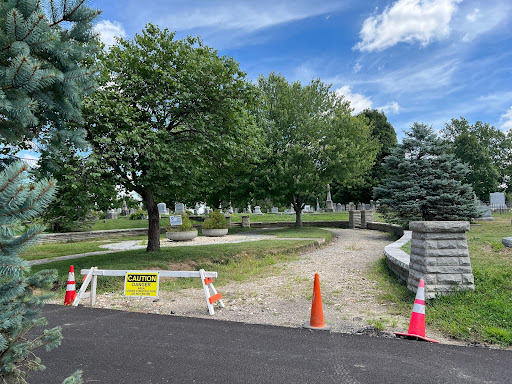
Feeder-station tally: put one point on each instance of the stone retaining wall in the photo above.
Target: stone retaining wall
(366, 217)
(396, 259)
(290, 224)
(354, 219)
(440, 256)
(385, 227)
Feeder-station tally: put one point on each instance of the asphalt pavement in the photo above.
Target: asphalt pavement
(124, 347)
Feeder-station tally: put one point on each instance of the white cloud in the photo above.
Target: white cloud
(357, 67)
(390, 108)
(108, 31)
(358, 101)
(248, 16)
(506, 120)
(407, 21)
(471, 17)
(418, 78)
(480, 21)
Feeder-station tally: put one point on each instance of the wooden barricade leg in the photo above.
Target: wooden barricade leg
(207, 283)
(83, 288)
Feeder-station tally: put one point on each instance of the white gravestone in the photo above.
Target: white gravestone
(497, 200)
(257, 210)
(179, 208)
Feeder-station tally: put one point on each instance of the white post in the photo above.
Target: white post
(83, 288)
(206, 293)
(94, 284)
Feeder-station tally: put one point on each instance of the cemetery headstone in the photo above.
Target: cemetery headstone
(111, 214)
(339, 208)
(257, 210)
(317, 205)
(329, 207)
(497, 200)
(179, 208)
(274, 210)
(124, 210)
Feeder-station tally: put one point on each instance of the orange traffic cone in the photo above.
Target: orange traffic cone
(417, 324)
(70, 288)
(317, 312)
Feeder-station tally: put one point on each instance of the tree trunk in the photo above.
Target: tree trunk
(298, 205)
(154, 222)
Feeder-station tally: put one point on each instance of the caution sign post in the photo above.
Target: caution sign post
(141, 284)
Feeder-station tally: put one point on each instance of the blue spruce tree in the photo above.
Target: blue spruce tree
(46, 66)
(19, 305)
(425, 182)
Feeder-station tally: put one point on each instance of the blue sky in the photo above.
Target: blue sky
(418, 60)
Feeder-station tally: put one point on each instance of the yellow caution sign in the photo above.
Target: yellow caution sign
(141, 284)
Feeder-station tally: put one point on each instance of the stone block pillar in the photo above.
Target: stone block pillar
(440, 256)
(366, 217)
(246, 223)
(354, 219)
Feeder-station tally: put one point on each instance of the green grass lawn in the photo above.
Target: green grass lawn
(125, 223)
(48, 250)
(234, 262)
(484, 315)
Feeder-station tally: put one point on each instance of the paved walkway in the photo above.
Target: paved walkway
(123, 347)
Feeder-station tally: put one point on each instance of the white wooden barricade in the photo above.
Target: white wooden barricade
(91, 276)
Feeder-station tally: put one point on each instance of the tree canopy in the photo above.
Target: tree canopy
(425, 181)
(485, 149)
(384, 133)
(167, 110)
(46, 66)
(311, 139)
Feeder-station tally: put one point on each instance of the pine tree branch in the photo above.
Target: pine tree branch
(39, 18)
(65, 16)
(22, 169)
(38, 198)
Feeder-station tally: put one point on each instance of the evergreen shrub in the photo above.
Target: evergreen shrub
(215, 220)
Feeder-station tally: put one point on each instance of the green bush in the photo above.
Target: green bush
(139, 215)
(185, 226)
(215, 220)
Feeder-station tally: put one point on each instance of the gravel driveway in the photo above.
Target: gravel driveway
(349, 296)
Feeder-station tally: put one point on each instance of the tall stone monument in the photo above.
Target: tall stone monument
(329, 206)
(124, 210)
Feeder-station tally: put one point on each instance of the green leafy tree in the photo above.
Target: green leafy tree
(45, 68)
(311, 140)
(483, 174)
(485, 149)
(19, 303)
(166, 107)
(384, 133)
(83, 188)
(425, 181)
